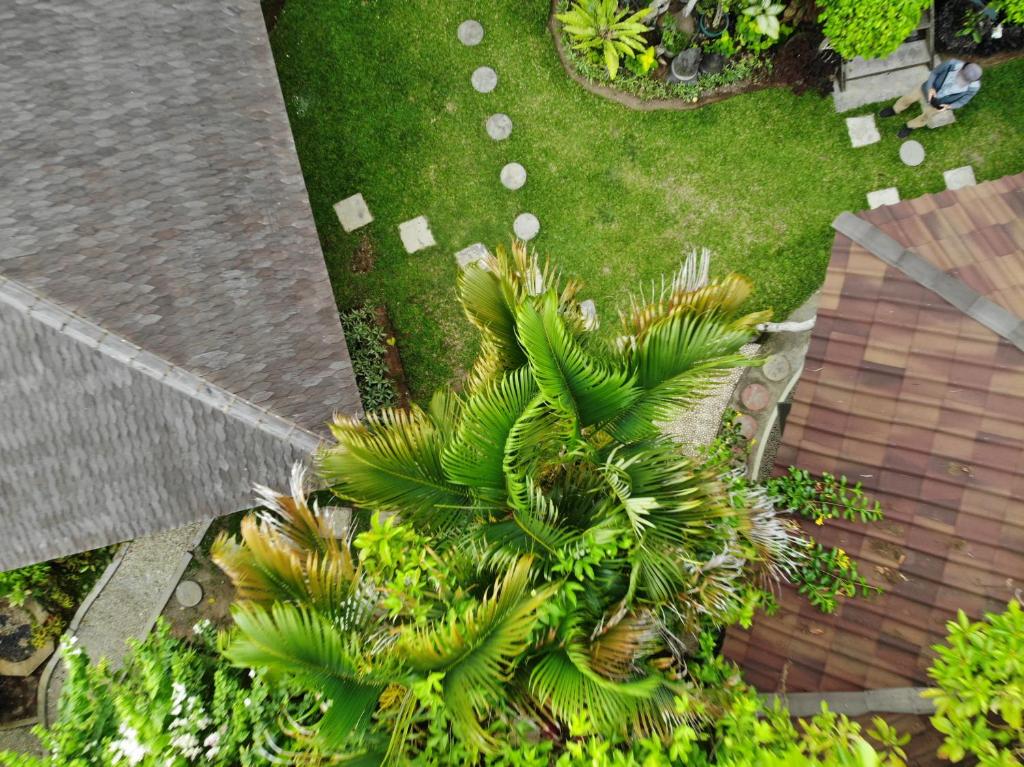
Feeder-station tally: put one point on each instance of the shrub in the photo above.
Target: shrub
(979, 701)
(367, 348)
(869, 28)
(604, 32)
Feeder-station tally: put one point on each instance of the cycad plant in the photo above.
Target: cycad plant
(556, 558)
(601, 28)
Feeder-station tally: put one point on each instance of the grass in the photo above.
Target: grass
(380, 103)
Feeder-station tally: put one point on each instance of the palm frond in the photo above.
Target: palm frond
(392, 461)
(618, 650)
(297, 643)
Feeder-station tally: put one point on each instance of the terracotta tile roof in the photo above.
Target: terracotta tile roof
(925, 406)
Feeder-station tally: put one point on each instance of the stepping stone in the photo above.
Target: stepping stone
(526, 226)
(416, 234)
(513, 176)
(880, 197)
(775, 368)
(353, 213)
(188, 593)
(755, 397)
(912, 153)
(588, 309)
(484, 80)
(471, 32)
(958, 178)
(499, 126)
(885, 86)
(747, 424)
(473, 254)
(862, 130)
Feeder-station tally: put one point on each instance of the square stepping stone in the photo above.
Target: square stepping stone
(958, 178)
(353, 213)
(416, 234)
(473, 254)
(881, 197)
(862, 130)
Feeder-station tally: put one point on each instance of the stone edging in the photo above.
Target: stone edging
(630, 101)
(890, 700)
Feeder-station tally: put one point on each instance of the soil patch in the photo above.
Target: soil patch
(802, 66)
(949, 20)
(364, 256)
(18, 694)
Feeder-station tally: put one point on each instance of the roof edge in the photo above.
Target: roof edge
(1003, 323)
(67, 323)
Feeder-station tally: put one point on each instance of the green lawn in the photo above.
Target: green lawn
(380, 102)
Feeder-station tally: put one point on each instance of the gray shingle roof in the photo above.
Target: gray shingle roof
(168, 334)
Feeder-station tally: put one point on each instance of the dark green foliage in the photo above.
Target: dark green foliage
(367, 347)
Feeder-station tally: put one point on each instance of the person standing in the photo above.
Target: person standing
(949, 86)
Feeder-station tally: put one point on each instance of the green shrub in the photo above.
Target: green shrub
(979, 700)
(869, 28)
(367, 348)
(604, 32)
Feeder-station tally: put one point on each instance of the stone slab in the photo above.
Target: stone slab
(188, 593)
(588, 309)
(887, 86)
(470, 32)
(472, 254)
(912, 153)
(879, 197)
(907, 55)
(958, 178)
(484, 80)
(526, 226)
(775, 368)
(939, 119)
(755, 397)
(862, 130)
(513, 176)
(747, 424)
(353, 213)
(416, 234)
(499, 126)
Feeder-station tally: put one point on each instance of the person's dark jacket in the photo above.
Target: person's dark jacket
(937, 78)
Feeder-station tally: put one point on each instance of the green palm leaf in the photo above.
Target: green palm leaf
(392, 461)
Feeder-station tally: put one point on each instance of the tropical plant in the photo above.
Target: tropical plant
(644, 63)
(869, 28)
(173, 704)
(765, 17)
(601, 28)
(979, 699)
(557, 559)
(824, 497)
(1011, 11)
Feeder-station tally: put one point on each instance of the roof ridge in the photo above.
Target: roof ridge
(95, 336)
(1000, 321)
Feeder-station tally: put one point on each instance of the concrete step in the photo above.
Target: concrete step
(907, 55)
(886, 86)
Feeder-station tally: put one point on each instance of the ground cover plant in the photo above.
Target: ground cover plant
(380, 102)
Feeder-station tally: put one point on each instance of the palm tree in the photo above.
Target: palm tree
(575, 555)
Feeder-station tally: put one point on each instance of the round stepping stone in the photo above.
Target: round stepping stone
(747, 424)
(471, 32)
(484, 80)
(775, 368)
(499, 126)
(513, 176)
(188, 593)
(526, 226)
(755, 397)
(912, 153)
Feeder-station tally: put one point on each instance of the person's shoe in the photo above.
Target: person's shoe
(887, 112)
(904, 132)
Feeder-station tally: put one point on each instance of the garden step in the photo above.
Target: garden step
(886, 86)
(907, 55)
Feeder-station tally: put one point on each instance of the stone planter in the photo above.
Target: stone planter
(18, 656)
(685, 67)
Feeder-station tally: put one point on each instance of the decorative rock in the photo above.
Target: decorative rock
(188, 593)
(862, 130)
(474, 254)
(775, 368)
(755, 397)
(880, 197)
(526, 226)
(958, 178)
(685, 66)
(484, 80)
(513, 176)
(747, 424)
(18, 656)
(339, 518)
(589, 311)
(944, 117)
(416, 234)
(912, 153)
(499, 126)
(353, 213)
(471, 32)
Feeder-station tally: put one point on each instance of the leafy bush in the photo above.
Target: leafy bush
(979, 700)
(1009, 11)
(171, 705)
(605, 33)
(869, 28)
(824, 497)
(367, 347)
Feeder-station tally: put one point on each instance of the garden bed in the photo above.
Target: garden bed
(961, 31)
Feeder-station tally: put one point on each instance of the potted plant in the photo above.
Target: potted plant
(714, 17)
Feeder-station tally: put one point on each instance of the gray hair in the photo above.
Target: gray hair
(970, 72)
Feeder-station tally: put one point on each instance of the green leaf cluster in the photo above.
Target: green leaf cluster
(869, 28)
(604, 31)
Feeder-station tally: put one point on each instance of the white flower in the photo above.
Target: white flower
(127, 747)
(247, 702)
